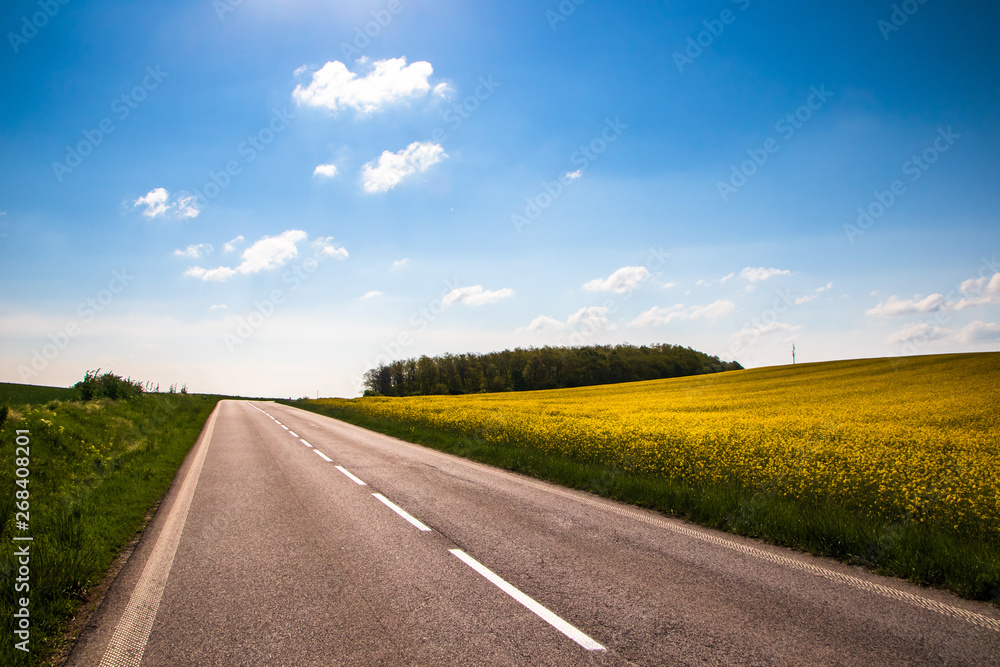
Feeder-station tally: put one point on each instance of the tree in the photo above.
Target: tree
(538, 368)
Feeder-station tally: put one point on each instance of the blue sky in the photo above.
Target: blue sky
(268, 198)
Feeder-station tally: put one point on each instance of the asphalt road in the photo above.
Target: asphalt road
(294, 539)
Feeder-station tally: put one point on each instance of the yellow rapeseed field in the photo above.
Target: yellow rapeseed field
(901, 439)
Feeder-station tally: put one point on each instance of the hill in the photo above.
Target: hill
(889, 463)
(538, 368)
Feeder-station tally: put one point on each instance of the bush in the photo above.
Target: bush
(109, 385)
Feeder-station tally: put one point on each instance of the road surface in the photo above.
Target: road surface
(294, 539)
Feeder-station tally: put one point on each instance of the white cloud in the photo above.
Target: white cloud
(219, 275)
(218, 306)
(755, 275)
(400, 263)
(975, 332)
(748, 336)
(980, 291)
(327, 170)
(917, 333)
(593, 318)
(726, 278)
(476, 295)
(979, 331)
(157, 203)
(543, 323)
(324, 248)
(372, 294)
(809, 297)
(623, 280)
(391, 81)
(187, 207)
(986, 292)
(194, 251)
(443, 90)
(896, 307)
(656, 315)
(230, 246)
(573, 175)
(271, 252)
(392, 168)
(669, 285)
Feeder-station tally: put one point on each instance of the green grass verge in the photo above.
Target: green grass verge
(968, 566)
(96, 469)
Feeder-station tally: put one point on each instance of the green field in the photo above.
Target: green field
(21, 394)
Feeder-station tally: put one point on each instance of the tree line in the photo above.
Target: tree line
(538, 368)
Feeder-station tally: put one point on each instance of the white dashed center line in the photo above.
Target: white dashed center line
(537, 608)
(356, 480)
(543, 612)
(401, 512)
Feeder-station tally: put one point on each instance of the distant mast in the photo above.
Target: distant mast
(793, 354)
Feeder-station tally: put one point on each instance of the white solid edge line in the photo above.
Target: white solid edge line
(323, 456)
(401, 512)
(346, 472)
(540, 610)
(304, 442)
